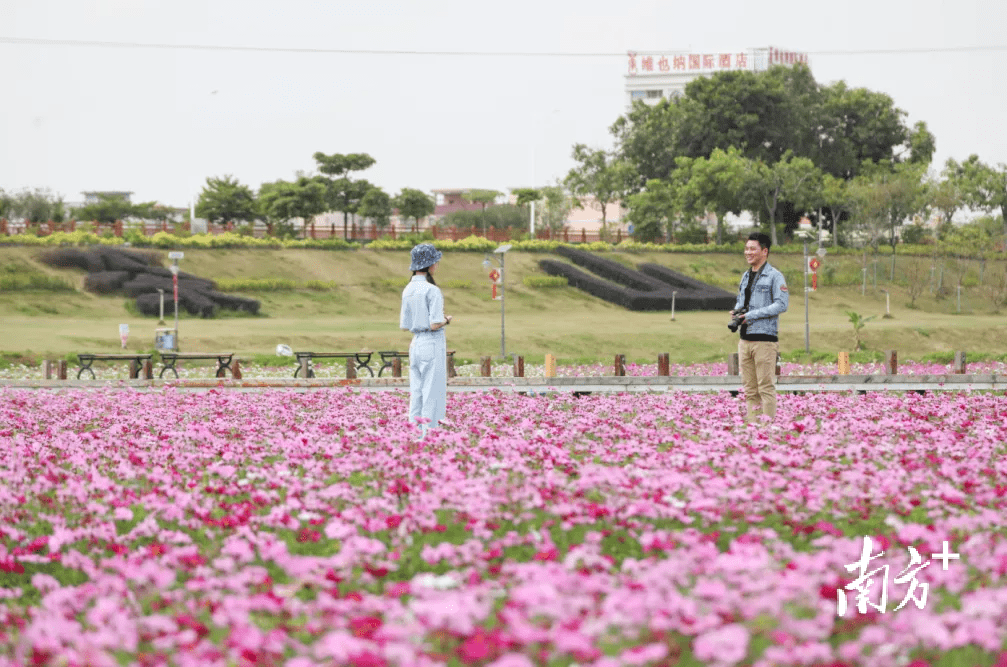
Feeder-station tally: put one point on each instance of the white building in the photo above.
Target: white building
(652, 77)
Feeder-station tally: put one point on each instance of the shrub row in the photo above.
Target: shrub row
(16, 282)
(272, 284)
(545, 281)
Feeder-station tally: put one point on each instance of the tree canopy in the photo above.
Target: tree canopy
(225, 199)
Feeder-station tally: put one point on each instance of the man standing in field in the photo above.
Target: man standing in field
(762, 296)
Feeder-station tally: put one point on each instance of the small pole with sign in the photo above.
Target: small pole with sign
(499, 280)
(174, 257)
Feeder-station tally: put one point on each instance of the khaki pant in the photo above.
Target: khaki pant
(757, 361)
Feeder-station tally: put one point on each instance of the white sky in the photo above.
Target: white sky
(76, 118)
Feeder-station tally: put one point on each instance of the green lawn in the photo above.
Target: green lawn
(362, 311)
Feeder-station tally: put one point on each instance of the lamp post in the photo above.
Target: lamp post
(500, 256)
(174, 257)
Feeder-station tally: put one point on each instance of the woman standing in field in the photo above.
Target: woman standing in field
(423, 315)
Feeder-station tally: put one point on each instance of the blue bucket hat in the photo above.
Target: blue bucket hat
(424, 255)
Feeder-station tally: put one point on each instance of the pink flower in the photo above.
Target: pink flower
(726, 645)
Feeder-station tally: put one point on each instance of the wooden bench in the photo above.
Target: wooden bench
(223, 359)
(87, 359)
(362, 360)
(389, 356)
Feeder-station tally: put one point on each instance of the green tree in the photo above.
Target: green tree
(652, 209)
(343, 193)
(600, 176)
(556, 206)
(714, 184)
(526, 196)
(414, 204)
(647, 137)
(986, 187)
(6, 204)
(483, 198)
(948, 194)
(791, 179)
(225, 199)
(282, 201)
(107, 209)
(377, 206)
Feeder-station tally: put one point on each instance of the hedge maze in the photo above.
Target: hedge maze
(139, 274)
(649, 288)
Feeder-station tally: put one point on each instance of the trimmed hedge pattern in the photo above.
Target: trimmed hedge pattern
(636, 290)
(113, 270)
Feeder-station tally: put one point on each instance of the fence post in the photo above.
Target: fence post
(61, 369)
(3, 226)
(117, 228)
(486, 367)
(891, 362)
(236, 369)
(519, 367)
(959, 364)
(583, 235)
(550, 366)
(663, 365)
(843, 363)
(351, 368)
(148, 369)
(47, 368)
(396, 367)
(451, 366)
(620, 365)
(134, 369)
(732, 363)
(305, 367)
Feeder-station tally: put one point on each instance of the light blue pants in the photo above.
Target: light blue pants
(428, 378)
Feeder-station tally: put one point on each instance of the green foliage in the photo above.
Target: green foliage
(225, 199)
(376, 205)
(35, 205)
(272, 284)
(107, 209)
(526, 196)
(651, 209)
(545, 281)
(858, 321)
(281, 201)
(601, 176)
(413, 204)
(22, 282)
(504, 216)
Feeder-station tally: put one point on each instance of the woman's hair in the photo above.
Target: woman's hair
(430, 278)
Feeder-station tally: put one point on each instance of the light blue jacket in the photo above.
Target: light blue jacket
(770, 297)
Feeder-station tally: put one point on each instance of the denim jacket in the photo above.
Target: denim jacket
(769, 298)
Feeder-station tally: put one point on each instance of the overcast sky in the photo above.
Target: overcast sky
(159, 121)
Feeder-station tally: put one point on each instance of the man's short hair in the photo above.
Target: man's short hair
(764, 241)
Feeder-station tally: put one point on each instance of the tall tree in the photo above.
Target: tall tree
(652, 209)
(225, 199)
(484, 198)
(791, 179)
(377, 206)
(526, 196)
(556, 206)
(344, 194)
(37, 205)
(715, 184)
(601, 177)
(986, 187)
(948, 194)
(648, 138)
(414, 204)
(281, 201)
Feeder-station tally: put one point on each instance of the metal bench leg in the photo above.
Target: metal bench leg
(222, 367)
(86, 368)
(169, 367)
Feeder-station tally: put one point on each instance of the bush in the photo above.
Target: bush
(21, 282)
(546, 281)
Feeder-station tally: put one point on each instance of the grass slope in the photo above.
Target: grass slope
(362, 312)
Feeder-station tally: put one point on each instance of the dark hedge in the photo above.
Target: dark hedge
(636, 290)
(139, 274)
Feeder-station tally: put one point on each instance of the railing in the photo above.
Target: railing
(353, 232)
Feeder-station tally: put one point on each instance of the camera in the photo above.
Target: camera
(737, 320)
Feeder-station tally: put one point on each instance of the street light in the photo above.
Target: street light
(500, 254)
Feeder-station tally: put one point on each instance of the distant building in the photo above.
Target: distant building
(654, 77)
(451, 200)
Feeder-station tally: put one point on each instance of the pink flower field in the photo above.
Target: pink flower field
(299, 529)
